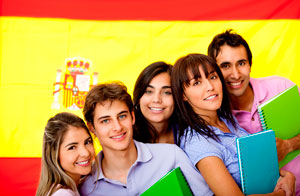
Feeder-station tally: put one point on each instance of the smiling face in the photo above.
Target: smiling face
(235, 67)
(76, 152)
(204, 94)
(113, 125)
(157, 103)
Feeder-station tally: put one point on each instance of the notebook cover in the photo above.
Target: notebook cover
(281, 114)
(258, 162)
(173, 183)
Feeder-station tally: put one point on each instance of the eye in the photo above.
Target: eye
(148, 91)
(167, 92)
(123, 116)
(213, 77)
(196, 83)
(89, 141)
(242, 63)
(224, 66)
(71, 148)
(105, 121)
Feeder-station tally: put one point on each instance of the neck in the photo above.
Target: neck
(164, 134)
(116, 164)
(243, 102)
(213, 120)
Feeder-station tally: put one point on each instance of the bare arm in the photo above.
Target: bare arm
(220, 180)
(286, 146)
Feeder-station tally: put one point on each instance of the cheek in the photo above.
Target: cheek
(91, 149)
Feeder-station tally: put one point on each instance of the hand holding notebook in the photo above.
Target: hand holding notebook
(282, 114)
(258, 162)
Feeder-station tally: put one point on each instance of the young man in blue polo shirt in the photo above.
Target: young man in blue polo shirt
(128, 167)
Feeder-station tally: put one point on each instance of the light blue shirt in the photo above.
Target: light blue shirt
(198, 147)
(153, 162)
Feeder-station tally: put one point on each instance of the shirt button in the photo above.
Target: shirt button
(252, 119)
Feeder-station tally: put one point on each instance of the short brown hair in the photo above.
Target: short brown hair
(103, 92)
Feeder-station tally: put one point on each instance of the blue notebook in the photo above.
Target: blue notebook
(258, 162)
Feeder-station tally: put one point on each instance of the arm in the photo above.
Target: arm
(219, 179)
(286, 146)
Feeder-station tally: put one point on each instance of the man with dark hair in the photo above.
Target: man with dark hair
(234, 57)
(128, 167)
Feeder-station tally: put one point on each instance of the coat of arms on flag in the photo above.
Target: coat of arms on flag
(73, 85)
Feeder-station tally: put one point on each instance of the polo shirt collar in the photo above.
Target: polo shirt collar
(144, 155)
(259, 91)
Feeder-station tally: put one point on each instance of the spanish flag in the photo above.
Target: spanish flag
(53, 51)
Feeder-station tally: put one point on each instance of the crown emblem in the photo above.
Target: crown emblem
(75, 84)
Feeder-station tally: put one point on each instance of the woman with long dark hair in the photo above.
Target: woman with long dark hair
(208, 130)
(154, 105)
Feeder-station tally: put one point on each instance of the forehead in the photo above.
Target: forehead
(200, 71)
(229, 53)
(110, 108)
(74, 134)
(161, 79)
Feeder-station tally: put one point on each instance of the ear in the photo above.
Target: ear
(91, 128)
(133, 117)
(184, 97)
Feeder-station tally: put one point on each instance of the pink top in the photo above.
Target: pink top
(264, 89)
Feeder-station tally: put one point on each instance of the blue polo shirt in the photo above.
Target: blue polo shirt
(153, 162)
(198, 147)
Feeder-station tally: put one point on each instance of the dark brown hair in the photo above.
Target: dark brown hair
(144, 131)
(231, 39)
(103, 92)
(187, 117)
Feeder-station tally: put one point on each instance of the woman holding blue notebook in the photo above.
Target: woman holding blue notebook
(207, 128)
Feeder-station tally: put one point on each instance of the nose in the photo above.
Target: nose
(235, 73)
(84, 152)
(209, 85)
(157, 97)
(117, 126)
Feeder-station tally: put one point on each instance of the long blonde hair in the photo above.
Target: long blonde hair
(52, 174)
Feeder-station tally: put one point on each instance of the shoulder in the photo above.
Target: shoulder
(65, 192)
(161, 148)
(267, 87)
(271, 80)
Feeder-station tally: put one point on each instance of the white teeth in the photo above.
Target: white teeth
(210, 97)
(117, 137)
(235, 84)
(82, 163)
(156, 109)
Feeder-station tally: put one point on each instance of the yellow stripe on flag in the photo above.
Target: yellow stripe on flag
(34, 48)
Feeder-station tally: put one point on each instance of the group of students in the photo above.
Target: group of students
(187, 115)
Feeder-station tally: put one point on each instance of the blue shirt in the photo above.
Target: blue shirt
(153, 162)
(198, 147)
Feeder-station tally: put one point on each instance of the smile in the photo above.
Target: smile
(235, 83)
(156, 109)
(83, 163)
(118, 136)
(211, 97)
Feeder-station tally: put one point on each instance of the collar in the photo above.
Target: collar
(143, 155)
(259, 91)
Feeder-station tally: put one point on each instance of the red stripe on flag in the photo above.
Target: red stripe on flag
(193, 10)
(19, 176)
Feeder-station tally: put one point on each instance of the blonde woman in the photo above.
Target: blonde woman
(68, 154)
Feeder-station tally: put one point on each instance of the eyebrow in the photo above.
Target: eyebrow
(164, 87)
(75, 143)
(209, 73)
(122, 112)
(224, 63)
(70, 144)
